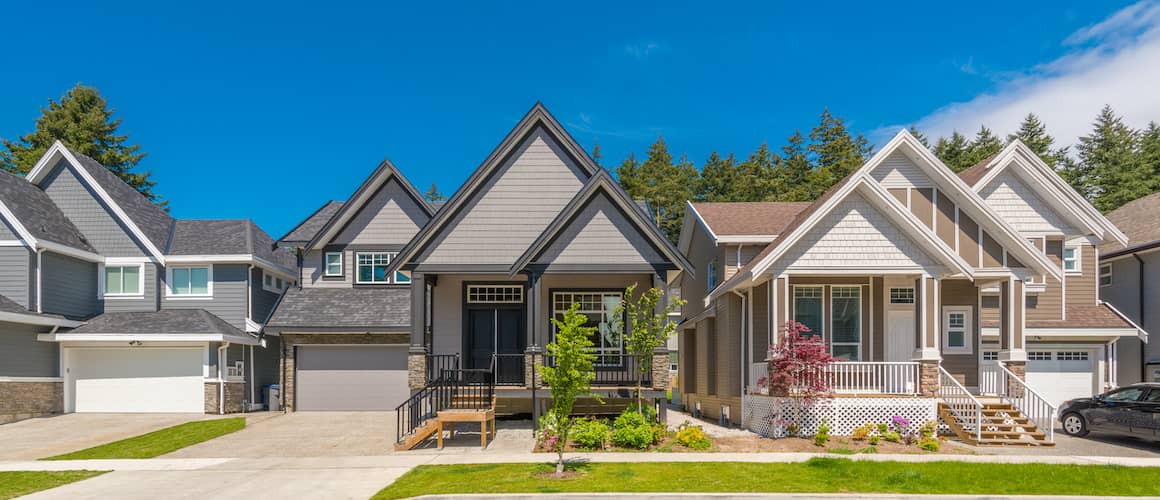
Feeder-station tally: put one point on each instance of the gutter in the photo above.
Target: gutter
(39, 274)
(222, 350)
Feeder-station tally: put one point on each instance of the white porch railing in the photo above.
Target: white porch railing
(874, 377)
(1014, 391)
(990, 378)
(966, 407)
(757, 371)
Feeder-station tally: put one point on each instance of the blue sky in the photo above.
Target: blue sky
(267, 111)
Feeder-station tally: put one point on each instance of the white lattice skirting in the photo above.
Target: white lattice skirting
(767, 416)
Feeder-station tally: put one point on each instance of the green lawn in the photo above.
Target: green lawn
(14, 484)
(159, 442)
(819, 475)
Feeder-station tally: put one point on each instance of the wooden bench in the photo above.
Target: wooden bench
(481, 416)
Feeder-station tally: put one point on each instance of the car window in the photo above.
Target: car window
(1153, 397)
(1129, 394)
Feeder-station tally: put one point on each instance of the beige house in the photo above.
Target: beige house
(954, 289)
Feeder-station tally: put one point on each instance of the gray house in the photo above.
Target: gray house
(393, 289)
(109, 304)
(1129, 279)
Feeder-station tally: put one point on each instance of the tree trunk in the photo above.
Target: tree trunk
(560, 466)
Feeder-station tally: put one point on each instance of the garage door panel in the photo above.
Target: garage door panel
(137, 380)
(1060, 375)
(351, 378)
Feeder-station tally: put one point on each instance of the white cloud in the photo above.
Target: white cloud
(1115, 61)
(641, 50)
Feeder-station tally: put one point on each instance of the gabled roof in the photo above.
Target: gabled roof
(36, 214)
(1048, 184)
(311, 225)
(748, 218)
(146, 221)
(538, 116)
(974, 173)
(166, 324)
(369, 309)
(1139, 219)
(954, 186)
(602, 182)
(383, 174)
(227, 237)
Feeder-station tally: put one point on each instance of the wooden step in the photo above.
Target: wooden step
(1010, 429)
(421, 434)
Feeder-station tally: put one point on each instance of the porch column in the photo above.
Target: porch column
(660, 361)
(1012, 350)
(417, 353)
(926, 302)
(535, 338)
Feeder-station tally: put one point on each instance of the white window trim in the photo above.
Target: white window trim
(831, 319)
(1108, 275)
(968, 330)
(326, 264)
(390, 279)
(274, 278)
(821, 332)
(121, 296)
(711, 275)
(169, 283)
(1078, 259)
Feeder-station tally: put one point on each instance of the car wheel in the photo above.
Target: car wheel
(1074, 425)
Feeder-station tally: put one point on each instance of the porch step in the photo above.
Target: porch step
(1002, 425)
(421, 434)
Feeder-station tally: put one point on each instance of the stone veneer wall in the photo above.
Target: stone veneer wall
(22, 400)
(235, 393)
(292, 340)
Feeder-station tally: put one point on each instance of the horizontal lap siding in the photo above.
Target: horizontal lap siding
(737, 256)
(262, 300)
(878, 335)
(760, 322)
(1081, 288)
(83, 207)
(728, 363)
(695, 287)
(21, 355)
(229, 296)
(148, 299)
(16, 275)
(69, 286)
(964, 367)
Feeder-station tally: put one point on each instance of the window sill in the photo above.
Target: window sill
(957, 350)
(122, 297)
(188, 297)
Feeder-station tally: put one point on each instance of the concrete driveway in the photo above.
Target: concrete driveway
(44, 437)
(304, 434)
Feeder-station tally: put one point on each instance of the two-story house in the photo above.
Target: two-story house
(1128, 279)
(921, 281)
(112, 305)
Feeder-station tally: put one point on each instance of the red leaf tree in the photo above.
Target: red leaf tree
(798, 370)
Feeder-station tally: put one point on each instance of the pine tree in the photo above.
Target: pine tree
(836, 153)
(919, 135)
(953, 151)
(718, 179)
(1149, 154)
(756, 176)
(1108, 169)
(796, 171)
(596, 156)
(664, 185)
(984, 146)
(83, 121)
(433, 194)
(1033, 133)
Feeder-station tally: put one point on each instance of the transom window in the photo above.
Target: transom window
(1106, 275)
(333, 263)
(957, 329)
(191, 280)
(123, 280)
(846, 322)
(807, 307)
(1071, 256)
(495, 294)
(372, 267)
(600, 308)
(1071, 356)
(902, 295)
(990, 355)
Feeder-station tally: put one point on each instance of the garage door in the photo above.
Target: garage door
(345, 378)
(1060, 375)
(142, 380)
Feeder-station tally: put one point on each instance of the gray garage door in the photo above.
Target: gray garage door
(346, 378)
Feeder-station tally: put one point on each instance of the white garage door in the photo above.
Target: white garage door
(365, 377)
(1060, 375)
(142, 380)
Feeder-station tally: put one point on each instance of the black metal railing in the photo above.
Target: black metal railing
(509, 370)
(452, 388)
(615, 370)
(436, 363)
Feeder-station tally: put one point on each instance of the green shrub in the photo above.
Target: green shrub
(590, 434)
(869, 450)
(892, 436)
(629, 418)
(862, 432)
(649, 412)
(631, 430)
(874, 440)
(693, 437)
(823, 435)
(659, 433)
(929, 444)
(928, 429)
(882, 428)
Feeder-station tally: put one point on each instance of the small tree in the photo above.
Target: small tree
(649, 329)
(570, 378)
(797, 368)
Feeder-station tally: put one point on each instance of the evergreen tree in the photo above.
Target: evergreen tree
(596, 156)
(836, 153)
(1149, 154)
(984, 146)
(1033, 133)
(433, 194)
(1109, 173)
(718, 179)
(919, 135)
(664, 185)
(756, 177)
(83, 121)
(796, 171)
(953, 151)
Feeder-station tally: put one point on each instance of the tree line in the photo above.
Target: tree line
(1112, 165)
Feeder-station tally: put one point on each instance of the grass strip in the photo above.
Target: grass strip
(159, 442)
(15, 484)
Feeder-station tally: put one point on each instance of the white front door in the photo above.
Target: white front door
(900, 335)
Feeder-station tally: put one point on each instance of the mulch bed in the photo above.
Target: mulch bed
(757, 444)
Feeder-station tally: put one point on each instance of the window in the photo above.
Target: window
(990, 355)
(193, 281)
(333, 263)
(402, 277)
(846, 322)
(807, 307)
(957, 329)
(1126, 394)
(600, 308)
(372, 267)
(123, 280)
(1038, 356)
(1106, 275)
(272, 283)
(1071, 356)
(902, 295)
(1071, 256)
(711, 275)
(495, 294)
(674, 294)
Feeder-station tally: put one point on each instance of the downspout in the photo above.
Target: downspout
(250, 316)
(1143, 321)
(222, 350)
(39, 267)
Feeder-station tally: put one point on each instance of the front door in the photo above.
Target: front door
(900, 335)
(496, 330)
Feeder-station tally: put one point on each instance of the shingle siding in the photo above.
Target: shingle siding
(229, 296)
(600, 234)
(16, 275)
(82, 206)
(391, 216)
(898, 171)
(511, 209)
(1011, 198)
(21, 355)
(69, 286)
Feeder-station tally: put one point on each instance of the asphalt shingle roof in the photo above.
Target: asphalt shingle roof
(305, 230)
(36, 211)
(973, 174)
(1078, 316)
(1139, 219)
(372, 308)
(165, 321)
(749, 218)
(154, 222)
(226, 237)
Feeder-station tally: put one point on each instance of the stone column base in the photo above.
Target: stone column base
(1019, 368)
(23, 400)
(416, 370)
(532, 363)
(660, 369)
(235, 393)
(928, 378)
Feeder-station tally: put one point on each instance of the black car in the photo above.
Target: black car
(1130, 411)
